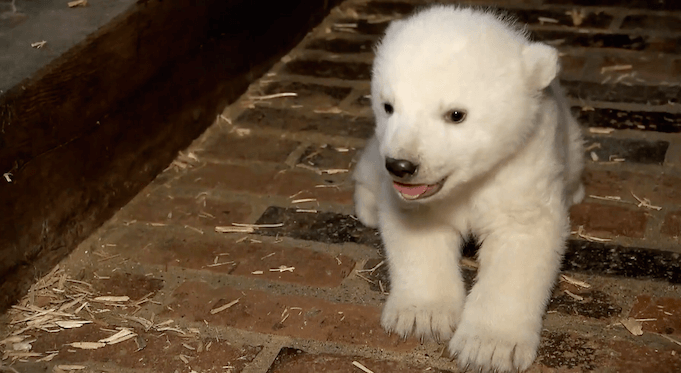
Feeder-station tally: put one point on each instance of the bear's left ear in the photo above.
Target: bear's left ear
(541, 64)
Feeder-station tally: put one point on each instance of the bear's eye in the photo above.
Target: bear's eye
(388, 108)
(455, 116)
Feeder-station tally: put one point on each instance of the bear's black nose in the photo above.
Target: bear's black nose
(401, 168)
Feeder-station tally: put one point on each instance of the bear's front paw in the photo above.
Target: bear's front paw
(483, 345)
(366, 207)
(435, 319)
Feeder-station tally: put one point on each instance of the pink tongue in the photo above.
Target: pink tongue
(409, 190)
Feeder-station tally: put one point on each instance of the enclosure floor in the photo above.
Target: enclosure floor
(303, 290)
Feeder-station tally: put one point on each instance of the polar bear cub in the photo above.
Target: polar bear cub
(473, 136)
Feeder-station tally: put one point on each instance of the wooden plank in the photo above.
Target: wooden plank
(82, 144)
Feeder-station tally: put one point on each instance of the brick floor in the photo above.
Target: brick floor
(306, 295)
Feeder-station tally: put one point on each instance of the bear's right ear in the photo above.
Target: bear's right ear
(541, 65)
(394, 26)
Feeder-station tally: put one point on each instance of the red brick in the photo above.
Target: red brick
(161, 353)
(195, 251)
(161, 207)
(676, 68)
(659, 188)
(295, 361)
(271, 181)
(672, 224)
(608, 220)
(229, 145)
(666, 311)
(262, 312)
(627, 357)
(133, 285)
(571, 67)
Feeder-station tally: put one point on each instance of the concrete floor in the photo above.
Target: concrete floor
(306, 295)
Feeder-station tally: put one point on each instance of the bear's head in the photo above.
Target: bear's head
(455, 93)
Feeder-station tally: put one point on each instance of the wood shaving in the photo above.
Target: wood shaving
(220, 264)
(577, 16)
(594, 156)
(257, 272)
(257, 226)
(22, 346)
(373, 269)
(194, 229)
(333, 171)
(574, 296)
(13, 339)
(374, 19)
(670, 339)
(601, 130)
(119, 337)
(580, 233)
(310, 168)
(48, 357)
(634, 327)
(607, 198)
(596, 145)
(365, 278)
(222, 117)
(282, 268)
(224, 307)
(645, 202)
(107, 298)
(332, 110)
(87, 345)
(70, 324)
(7, 176)
(607, 69)
(543, 20)
(234, 229)
(71, 367)
(362, 367)
(276, 95)
(304, 200)
(177, 330)
(146, 324)
(38, 44)
(555, 42)
(77, 3)
(574, 281)
(309, 211)
(21, 354)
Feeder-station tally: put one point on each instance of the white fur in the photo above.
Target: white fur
(512, 169)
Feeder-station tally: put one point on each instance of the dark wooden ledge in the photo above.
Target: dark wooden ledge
(87, 131)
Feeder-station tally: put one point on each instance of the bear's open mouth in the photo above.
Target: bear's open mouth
(417, 191)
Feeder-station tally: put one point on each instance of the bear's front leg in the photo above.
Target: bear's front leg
(426, 287)
(502, 319)
(367, 178)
